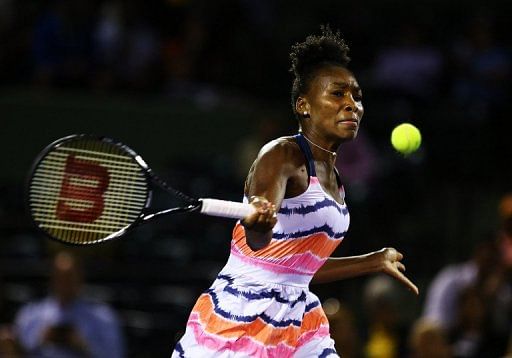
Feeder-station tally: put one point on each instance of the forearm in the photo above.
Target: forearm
(339, 268)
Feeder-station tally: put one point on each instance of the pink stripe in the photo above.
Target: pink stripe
(306, 261)
(241, 344)
(307, 337)
(297, 242)
(268, 265)
(314, 180)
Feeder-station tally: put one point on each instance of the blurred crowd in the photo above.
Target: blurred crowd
(466, 312)
(445, 66)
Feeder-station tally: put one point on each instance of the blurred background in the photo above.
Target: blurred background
(196, 87)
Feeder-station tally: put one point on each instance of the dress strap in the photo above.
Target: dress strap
(304, 147)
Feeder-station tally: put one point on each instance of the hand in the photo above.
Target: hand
(264, 218)
(391, 265)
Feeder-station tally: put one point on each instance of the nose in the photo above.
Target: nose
(349, 105)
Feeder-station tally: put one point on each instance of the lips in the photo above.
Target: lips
(349, 120)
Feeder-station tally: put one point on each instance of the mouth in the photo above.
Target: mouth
(351, 122)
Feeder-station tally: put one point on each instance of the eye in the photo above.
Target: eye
(358, 97)
(338, 93)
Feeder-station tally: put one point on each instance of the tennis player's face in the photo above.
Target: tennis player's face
(335, 103)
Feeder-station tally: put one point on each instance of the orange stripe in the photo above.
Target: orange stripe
(319, 244)
(257, 330)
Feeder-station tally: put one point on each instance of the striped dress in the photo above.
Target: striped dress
(260, 304)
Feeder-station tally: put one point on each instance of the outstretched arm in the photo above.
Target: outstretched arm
(386, 260)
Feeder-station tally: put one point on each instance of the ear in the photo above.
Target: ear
(301, 106)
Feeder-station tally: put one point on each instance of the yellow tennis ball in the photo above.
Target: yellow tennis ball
(406, 138)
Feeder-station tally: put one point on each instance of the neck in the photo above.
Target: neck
(331, 154)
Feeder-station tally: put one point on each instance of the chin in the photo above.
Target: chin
(347, 137)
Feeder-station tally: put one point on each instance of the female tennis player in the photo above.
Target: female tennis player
(260, 304)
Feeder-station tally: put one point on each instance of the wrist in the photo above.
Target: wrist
(375, 261)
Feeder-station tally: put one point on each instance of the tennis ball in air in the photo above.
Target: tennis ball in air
(406, 138)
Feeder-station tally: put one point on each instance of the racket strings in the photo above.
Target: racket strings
(85, 190)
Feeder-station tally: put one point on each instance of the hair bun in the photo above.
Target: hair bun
(328, 47)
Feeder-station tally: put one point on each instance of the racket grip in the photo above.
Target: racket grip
(226, 209)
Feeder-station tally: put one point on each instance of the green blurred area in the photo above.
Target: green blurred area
(157, 129)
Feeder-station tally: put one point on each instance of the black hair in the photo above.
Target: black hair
(315, 52)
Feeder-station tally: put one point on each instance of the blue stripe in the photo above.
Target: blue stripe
(262, 295)
(226, 278)
(252, 318)
(304, 210)
(311, 306)
(180, 350)
(324, 228)
(326, 352)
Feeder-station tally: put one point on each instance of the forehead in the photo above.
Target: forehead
(333, 76)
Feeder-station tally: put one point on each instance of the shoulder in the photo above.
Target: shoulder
(283, 150)
(36, 309)
(455, 274)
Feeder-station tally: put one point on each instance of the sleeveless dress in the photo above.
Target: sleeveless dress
(260, 304)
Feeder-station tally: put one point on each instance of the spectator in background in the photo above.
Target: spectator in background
(66, 325)
(409, 67)
(9, 347)
(62, 44)
(482, 71)
(505, 207)
(141, 63)
(428, 340)
(468, 335)
(384, 308)
(499, 288)
(108, 36)
(343, 328)
(473, 300)
(444, 290)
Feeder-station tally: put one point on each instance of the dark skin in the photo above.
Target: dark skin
(331, 111)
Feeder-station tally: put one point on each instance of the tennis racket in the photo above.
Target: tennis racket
(84, 190)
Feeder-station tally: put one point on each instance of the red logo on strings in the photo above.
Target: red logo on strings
(85, 181)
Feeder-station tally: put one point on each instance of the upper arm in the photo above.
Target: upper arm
(271, 171)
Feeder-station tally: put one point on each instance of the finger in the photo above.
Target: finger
(400, 266)
(262, 219)
(259, 201)
(250, 220)
(408, 283)
(399, 256)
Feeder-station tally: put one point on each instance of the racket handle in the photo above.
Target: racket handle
(226, 209)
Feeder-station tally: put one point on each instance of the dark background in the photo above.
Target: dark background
(191, 85)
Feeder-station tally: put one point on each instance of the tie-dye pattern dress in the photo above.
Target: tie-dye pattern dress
(260, 304)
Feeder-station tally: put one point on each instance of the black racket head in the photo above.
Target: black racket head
(84, 189)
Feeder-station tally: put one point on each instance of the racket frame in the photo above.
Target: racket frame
(152, 180)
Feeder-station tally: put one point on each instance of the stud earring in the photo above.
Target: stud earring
(306, 114)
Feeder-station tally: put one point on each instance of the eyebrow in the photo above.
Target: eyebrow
(345, 84)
